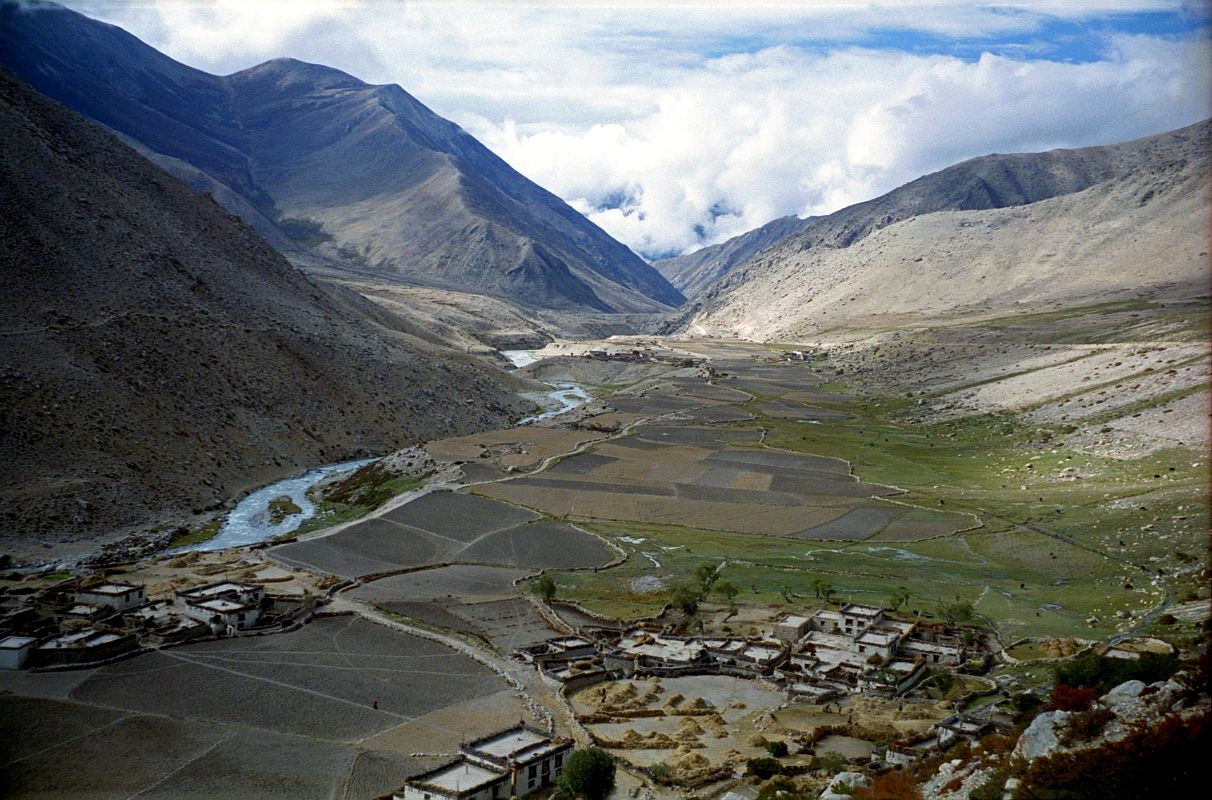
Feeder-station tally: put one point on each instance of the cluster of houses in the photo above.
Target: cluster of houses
(856, 648)
(91, 621)
(512, 763)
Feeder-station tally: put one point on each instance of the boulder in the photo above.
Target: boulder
(851, 780)
(1040, 737)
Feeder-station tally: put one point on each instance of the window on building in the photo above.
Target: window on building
(534, 770)
(559, 759)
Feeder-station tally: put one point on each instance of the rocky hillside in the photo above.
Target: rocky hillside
(364, 177)
(694, 272)
(991, 235)
(158, 357)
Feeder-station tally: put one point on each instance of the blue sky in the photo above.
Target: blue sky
(678, 124)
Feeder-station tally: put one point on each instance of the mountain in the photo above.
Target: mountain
(158, 357)
(694, 272)
(366, 177)
(992, 235)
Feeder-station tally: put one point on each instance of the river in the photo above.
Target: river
(249, 522)
(568, 395)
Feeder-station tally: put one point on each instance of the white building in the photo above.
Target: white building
(459, 780)
(511, 763)
(226, 606)
(14, 650)
(118, 596)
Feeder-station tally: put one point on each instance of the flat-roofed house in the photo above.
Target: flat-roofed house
(856, 618)
(791, 627)
(225, 605)
(118, 596)
(531, 758)
(456, 780)
(515, 762)
(14, 650)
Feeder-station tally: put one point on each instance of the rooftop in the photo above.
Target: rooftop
(111, 589)
(219, 604)
(16, 642)
(506, 743)
(858, 610)
(220, 588)
(877, 638)
(461, 776)
(792, 619)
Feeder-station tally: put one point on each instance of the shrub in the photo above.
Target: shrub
(777, 749)
(1070, 698)
(780, 787)
(763, 768)
(1085, 725)
(1103, 674)
(1164, 762)
(894, 785)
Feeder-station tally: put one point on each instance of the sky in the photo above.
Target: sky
(674, 125)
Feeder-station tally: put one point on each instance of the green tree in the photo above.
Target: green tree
(685, 597)
(727, 590)
(589, 775)
(706, 574)
(957, 612)
(545, 587)
(898, 598)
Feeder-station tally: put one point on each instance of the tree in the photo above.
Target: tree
(957, 612)
(589, 774)
(685, 597)
(545, 588)
(706, 574)
(728, 591)
(898, 598)
(827, 590)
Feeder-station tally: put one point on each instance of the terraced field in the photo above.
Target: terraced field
(331, 710)
(1042, 539)
(446, 527)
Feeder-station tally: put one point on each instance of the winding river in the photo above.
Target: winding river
(249, 522)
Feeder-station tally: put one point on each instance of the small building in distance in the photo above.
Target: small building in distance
(118, 596)
(226, 606)
(14, 650)
(791, 627)
(515, 762)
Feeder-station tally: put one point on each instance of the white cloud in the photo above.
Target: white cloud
(685, 123)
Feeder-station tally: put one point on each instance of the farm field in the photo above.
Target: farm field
(803, 481)
(232, 717)
(477, 600)
(445, 527)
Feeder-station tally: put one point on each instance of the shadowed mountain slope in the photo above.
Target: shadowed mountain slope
(158, 356)
(995, 234)
(694, 272)
(365, 176)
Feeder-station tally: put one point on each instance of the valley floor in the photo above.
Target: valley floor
(786, 472)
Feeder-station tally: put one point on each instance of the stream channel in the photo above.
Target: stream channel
(249, 522)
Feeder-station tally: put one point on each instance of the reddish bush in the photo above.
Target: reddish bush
(1071, 698)
(895, 785)
(1165, 762)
